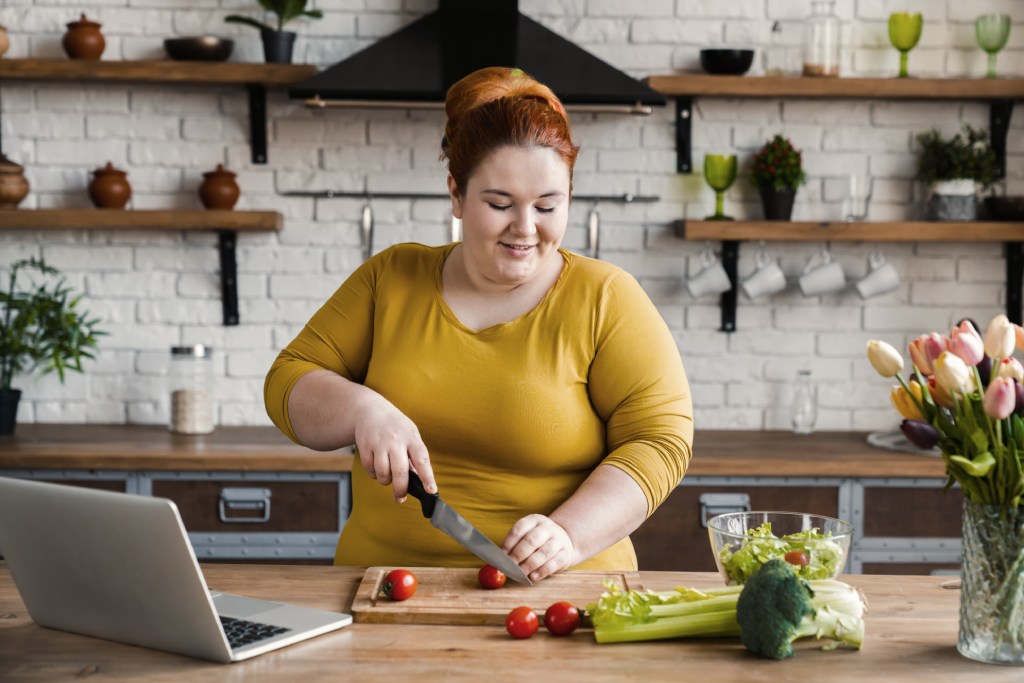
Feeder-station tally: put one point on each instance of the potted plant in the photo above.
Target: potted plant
(953, 168)
(778, 172)
(277, 43)
(41, 329)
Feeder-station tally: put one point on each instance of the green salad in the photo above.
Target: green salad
(812, 554)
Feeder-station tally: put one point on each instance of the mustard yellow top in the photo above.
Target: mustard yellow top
(515, 416)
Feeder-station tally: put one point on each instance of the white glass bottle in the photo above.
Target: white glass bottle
(190, 381)
(804, 409)
(822, 40)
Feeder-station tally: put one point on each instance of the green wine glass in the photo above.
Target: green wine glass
(720, 172)
(992, 31)
(904, 32)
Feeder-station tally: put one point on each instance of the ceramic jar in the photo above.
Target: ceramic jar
(83, 39)
(5, 41)
(109, 188)
(219, 189)
(13, 185)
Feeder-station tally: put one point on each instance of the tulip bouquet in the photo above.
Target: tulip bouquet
(965, 395)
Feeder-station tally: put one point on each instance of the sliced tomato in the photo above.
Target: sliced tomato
(490, 577)
(797, 558)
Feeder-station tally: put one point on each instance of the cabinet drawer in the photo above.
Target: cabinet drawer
(240, 505)
(674, 538)
(912, 512)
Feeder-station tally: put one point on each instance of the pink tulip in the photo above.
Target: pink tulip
(965, 342)
(924, 350)
(1000, 398)
(1011, 369)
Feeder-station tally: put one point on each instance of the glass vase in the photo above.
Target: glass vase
(992, 594)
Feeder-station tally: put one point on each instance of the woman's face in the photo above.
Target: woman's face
(514, 212)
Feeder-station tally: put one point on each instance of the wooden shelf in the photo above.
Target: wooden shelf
(113, 219)
(798, 86)
(899, 231)
(167, 71)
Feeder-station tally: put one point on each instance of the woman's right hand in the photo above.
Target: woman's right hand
(388, 442)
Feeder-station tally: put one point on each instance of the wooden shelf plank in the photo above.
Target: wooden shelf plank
(112, 219)
(798, 86)
(167, 71)
(808, 231)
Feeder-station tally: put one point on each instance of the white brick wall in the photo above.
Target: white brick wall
(157, 289)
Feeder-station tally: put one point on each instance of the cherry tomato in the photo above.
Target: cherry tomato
(491, 577)
(399, 584)
(562, 618)
(798, 558)
(522, 622)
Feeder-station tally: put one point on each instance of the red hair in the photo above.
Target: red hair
(501, 107)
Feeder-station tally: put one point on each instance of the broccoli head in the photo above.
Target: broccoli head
(776, 608)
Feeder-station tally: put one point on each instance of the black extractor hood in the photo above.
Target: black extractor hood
(415, 65)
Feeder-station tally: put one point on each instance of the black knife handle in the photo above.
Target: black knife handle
(427, 500)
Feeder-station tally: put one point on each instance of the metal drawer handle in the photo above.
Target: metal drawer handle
(244, 500)
(712, 504)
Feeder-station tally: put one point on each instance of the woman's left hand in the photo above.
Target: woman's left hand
(540, 546)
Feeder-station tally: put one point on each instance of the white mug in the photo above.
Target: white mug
(881, 278)
(767, 278)
(712, 278)
(822, 275)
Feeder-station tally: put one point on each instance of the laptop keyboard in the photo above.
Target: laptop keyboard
(241, 632)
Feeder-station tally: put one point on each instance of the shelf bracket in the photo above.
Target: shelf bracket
(258, 122)
(226, 242)
(727, 302)
(684, 121)
(999, 113)
(1014, 281)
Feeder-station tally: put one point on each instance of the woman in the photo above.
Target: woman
(538, 390)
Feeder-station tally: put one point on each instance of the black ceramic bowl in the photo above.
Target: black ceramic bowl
(724, 62)
(199, 48)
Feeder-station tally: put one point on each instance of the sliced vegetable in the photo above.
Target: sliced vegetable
(562, 618)
(522, 622)
(797, 557)
(399, 584)
(824, 555)
(490, 577)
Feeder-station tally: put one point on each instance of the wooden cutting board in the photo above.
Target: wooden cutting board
(454, 596)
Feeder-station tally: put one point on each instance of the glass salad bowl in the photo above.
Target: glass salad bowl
(816, 546)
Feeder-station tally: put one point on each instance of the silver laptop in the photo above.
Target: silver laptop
(120, 567)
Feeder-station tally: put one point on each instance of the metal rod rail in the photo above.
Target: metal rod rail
(335, 194)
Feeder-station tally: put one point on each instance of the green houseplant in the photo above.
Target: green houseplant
(777, 172)
(41, 329)
(277, 43)
(953, 168)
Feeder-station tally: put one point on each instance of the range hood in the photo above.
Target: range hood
(415, 65)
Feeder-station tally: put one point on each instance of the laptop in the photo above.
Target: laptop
(120, 567)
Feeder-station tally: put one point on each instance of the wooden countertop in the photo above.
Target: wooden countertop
(911, 633)
(152, 447)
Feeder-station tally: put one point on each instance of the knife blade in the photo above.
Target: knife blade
(446, 519)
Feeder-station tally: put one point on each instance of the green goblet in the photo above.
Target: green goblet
(720, 172)
(992, 31)
(904, 32)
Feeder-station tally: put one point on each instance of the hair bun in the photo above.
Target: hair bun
(493, 83)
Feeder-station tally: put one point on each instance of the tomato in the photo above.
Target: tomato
(798, 558)
(490, 577)
(522, 622)
(399, 584)
(562, 618)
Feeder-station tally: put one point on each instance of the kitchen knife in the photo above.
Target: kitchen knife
(443, 517)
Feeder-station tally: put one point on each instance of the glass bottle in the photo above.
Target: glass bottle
(822, 40)
(190, 380)
(804, 409)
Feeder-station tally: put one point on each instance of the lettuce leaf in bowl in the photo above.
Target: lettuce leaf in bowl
(824, 554)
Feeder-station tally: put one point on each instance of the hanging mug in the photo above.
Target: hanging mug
(822, 275)
(767, 278)
(712, 278)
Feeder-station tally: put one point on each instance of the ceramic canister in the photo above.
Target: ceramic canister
(219, 189)
(109, 188)
(83, 39)
(13, 185)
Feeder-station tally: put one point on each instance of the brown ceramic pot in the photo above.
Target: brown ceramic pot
(109, 188)
(83, 39)
(13, 186)
(219, 189)
(5, 41)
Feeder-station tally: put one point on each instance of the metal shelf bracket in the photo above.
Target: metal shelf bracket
(730, 261)
(684, 121)
(226, 242)
(258, 122)
(999, 113)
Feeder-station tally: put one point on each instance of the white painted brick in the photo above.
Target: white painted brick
(365, 159)
(981, 270)
(727, 418)
(250, 364)
(707, 395)
(626, 8)
(134, 337)
(176, 154)
(42, 125)
(954, 293)
(200, 100)
(827, 112)
(770, 342)
(214, 129)
(132, 126)
(59, 411)
(896, 318)
(861, 139)
(763, 395)
(81, 152)
(583, 30)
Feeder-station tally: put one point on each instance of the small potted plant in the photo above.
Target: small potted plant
(277, 43)
(953, 168)
(41, 329)
(778, 171)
